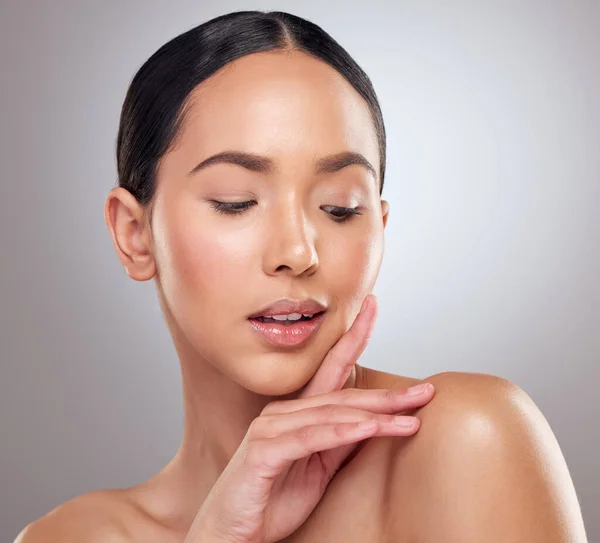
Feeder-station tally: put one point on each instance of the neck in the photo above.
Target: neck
(217, 415)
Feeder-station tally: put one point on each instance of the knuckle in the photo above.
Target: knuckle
(387, 419)
(340, 430)
(305, 433)
(326, 412)
(254, 454)
(389, 394)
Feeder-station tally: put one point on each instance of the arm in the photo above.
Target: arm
(486, 468)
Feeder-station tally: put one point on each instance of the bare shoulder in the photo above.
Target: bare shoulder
(97, 516)
(486, 465)
(480, 406)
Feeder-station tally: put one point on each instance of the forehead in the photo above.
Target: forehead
(284, 103)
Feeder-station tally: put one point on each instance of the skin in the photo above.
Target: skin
(484, 465)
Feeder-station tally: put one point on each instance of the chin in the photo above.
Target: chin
(277, 373)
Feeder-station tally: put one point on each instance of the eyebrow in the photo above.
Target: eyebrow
(262, 164)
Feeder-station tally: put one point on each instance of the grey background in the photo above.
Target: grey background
(493, 245)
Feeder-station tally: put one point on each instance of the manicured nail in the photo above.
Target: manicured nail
(419, 389)
(407, 422)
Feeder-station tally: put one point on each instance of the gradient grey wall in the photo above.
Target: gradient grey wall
(493, 245)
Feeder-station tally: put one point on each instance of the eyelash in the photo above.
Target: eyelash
(237, 208)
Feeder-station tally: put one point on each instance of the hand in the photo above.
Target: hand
(293, 449)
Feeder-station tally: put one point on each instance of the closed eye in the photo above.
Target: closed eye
(341, 214)
(231, 208)
(338, 214)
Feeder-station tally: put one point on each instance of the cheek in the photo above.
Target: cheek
(353, 263)
(353, 266)
(201, 270)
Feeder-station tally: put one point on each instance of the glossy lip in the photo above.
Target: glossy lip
(287, 335)
(286, 306)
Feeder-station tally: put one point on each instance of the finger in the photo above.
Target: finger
(271, 456)
(332, 459)
(274, 425)
(337, 364)
(383, 400)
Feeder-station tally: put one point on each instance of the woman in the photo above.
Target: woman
(251, 159)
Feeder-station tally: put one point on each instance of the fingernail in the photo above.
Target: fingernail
(419, 389)
(407, 422)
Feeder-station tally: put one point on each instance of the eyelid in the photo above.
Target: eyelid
(232, 208)
(350, 209)
(348, 212)
(238, 208)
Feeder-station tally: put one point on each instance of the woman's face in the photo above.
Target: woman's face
(217, 268)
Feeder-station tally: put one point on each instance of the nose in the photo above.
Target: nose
(290, 244)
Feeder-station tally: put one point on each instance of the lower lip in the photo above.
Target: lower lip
(287, 335)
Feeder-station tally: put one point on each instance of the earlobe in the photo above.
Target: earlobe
(385, 209)
(124, 217)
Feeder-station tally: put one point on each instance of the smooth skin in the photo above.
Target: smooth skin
(293, 450)
(484, 465)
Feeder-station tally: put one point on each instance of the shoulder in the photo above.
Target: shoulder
(481, 406)
(93, 517)
(486, 465)
(486, 408)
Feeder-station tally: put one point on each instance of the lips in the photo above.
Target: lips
(288, 333)
(286, 307)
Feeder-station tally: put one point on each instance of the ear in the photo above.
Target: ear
(126, 221)
(385, 209)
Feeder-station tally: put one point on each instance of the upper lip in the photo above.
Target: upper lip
(286, 306)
